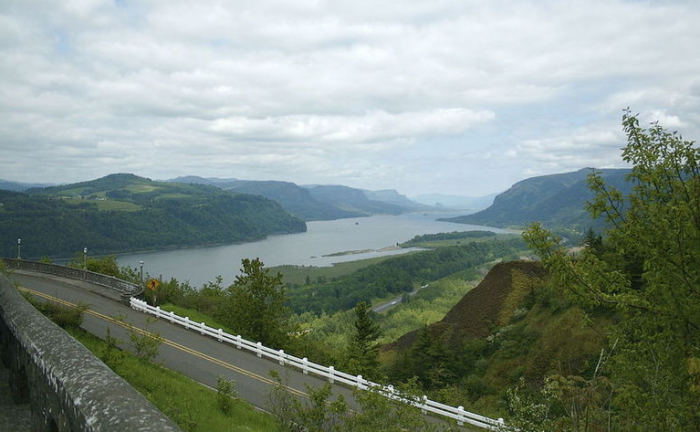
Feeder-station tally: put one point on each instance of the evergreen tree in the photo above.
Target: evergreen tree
(362, 349)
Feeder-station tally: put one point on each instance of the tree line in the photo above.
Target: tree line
(54, 227)
(401, 274)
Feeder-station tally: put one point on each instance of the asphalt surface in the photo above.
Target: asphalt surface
(201, 358)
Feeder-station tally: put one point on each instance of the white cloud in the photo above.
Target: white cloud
(321, 91)
(371, 127)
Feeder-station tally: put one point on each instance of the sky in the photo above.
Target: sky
(456, 97)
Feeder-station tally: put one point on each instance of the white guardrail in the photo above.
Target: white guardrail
(424, 404)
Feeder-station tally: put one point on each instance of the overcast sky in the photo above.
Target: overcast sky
(460, 97)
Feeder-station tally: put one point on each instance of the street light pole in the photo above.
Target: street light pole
(85, 258)
(141, 264)
(19, 248)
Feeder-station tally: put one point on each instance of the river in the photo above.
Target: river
(375, 235)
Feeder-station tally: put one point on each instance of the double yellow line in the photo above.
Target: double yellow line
(165, 341)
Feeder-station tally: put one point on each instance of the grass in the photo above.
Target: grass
(175, 196)
(117, 205)
(297, 274)
(141, 188)
(434, 244)
(428, 306)
(191, 405)
(196, 316)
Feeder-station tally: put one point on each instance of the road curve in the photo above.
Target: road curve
(201, 358)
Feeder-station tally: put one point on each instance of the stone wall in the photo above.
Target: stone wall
(122, 288)
(68, 389)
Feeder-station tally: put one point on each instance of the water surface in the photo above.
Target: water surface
(377, 233)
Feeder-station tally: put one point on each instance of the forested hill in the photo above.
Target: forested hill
(123, 212)
(317, 202)
(294, 198)
(555, 200)
(512, 326)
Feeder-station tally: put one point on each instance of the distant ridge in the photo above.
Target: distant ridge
(317, 202)
(19, 187)
(456, 201)
(556, 200)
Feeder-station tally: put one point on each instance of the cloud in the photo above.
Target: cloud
(412, 95)
(373, 127)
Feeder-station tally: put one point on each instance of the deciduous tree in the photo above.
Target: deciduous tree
(255, 305)
(648, 272)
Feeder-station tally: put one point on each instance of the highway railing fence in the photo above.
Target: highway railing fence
(307, 367)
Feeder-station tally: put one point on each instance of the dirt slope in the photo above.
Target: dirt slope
(488, 305)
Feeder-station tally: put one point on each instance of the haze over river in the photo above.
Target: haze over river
(377, 233)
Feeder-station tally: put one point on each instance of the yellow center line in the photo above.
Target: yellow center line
(165, 341)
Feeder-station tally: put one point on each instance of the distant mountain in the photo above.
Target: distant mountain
(456, 201)
(391, 196)
(124, 212)
(353, 200)
(294, 199)
(19, 187)
(317, 202)
(555, 200)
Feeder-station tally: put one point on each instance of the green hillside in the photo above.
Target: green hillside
(555, 200)
(513, 326)
(123, 212)
(353, 200)
(318, 202)
(295, 199)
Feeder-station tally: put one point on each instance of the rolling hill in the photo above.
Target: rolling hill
(316, 202)
(123, 212)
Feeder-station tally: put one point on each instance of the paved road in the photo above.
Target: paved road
(201, 358)
(383, 307)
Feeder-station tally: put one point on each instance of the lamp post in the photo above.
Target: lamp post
(19, 248)
(85, 258)
(141, 272)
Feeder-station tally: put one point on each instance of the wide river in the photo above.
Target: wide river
(376, 234)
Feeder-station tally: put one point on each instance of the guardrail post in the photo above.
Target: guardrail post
(157, 311)
(359, 382)
(305, 365)
(425, 404)
(221, 335)
(238, 341)
(172, 316)
(331, 372)
(202, 328)
(187, 323)
(259, 349)
(282, 357)
(460, 415)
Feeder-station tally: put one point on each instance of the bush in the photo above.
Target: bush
(225, 392)
(66, 317)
